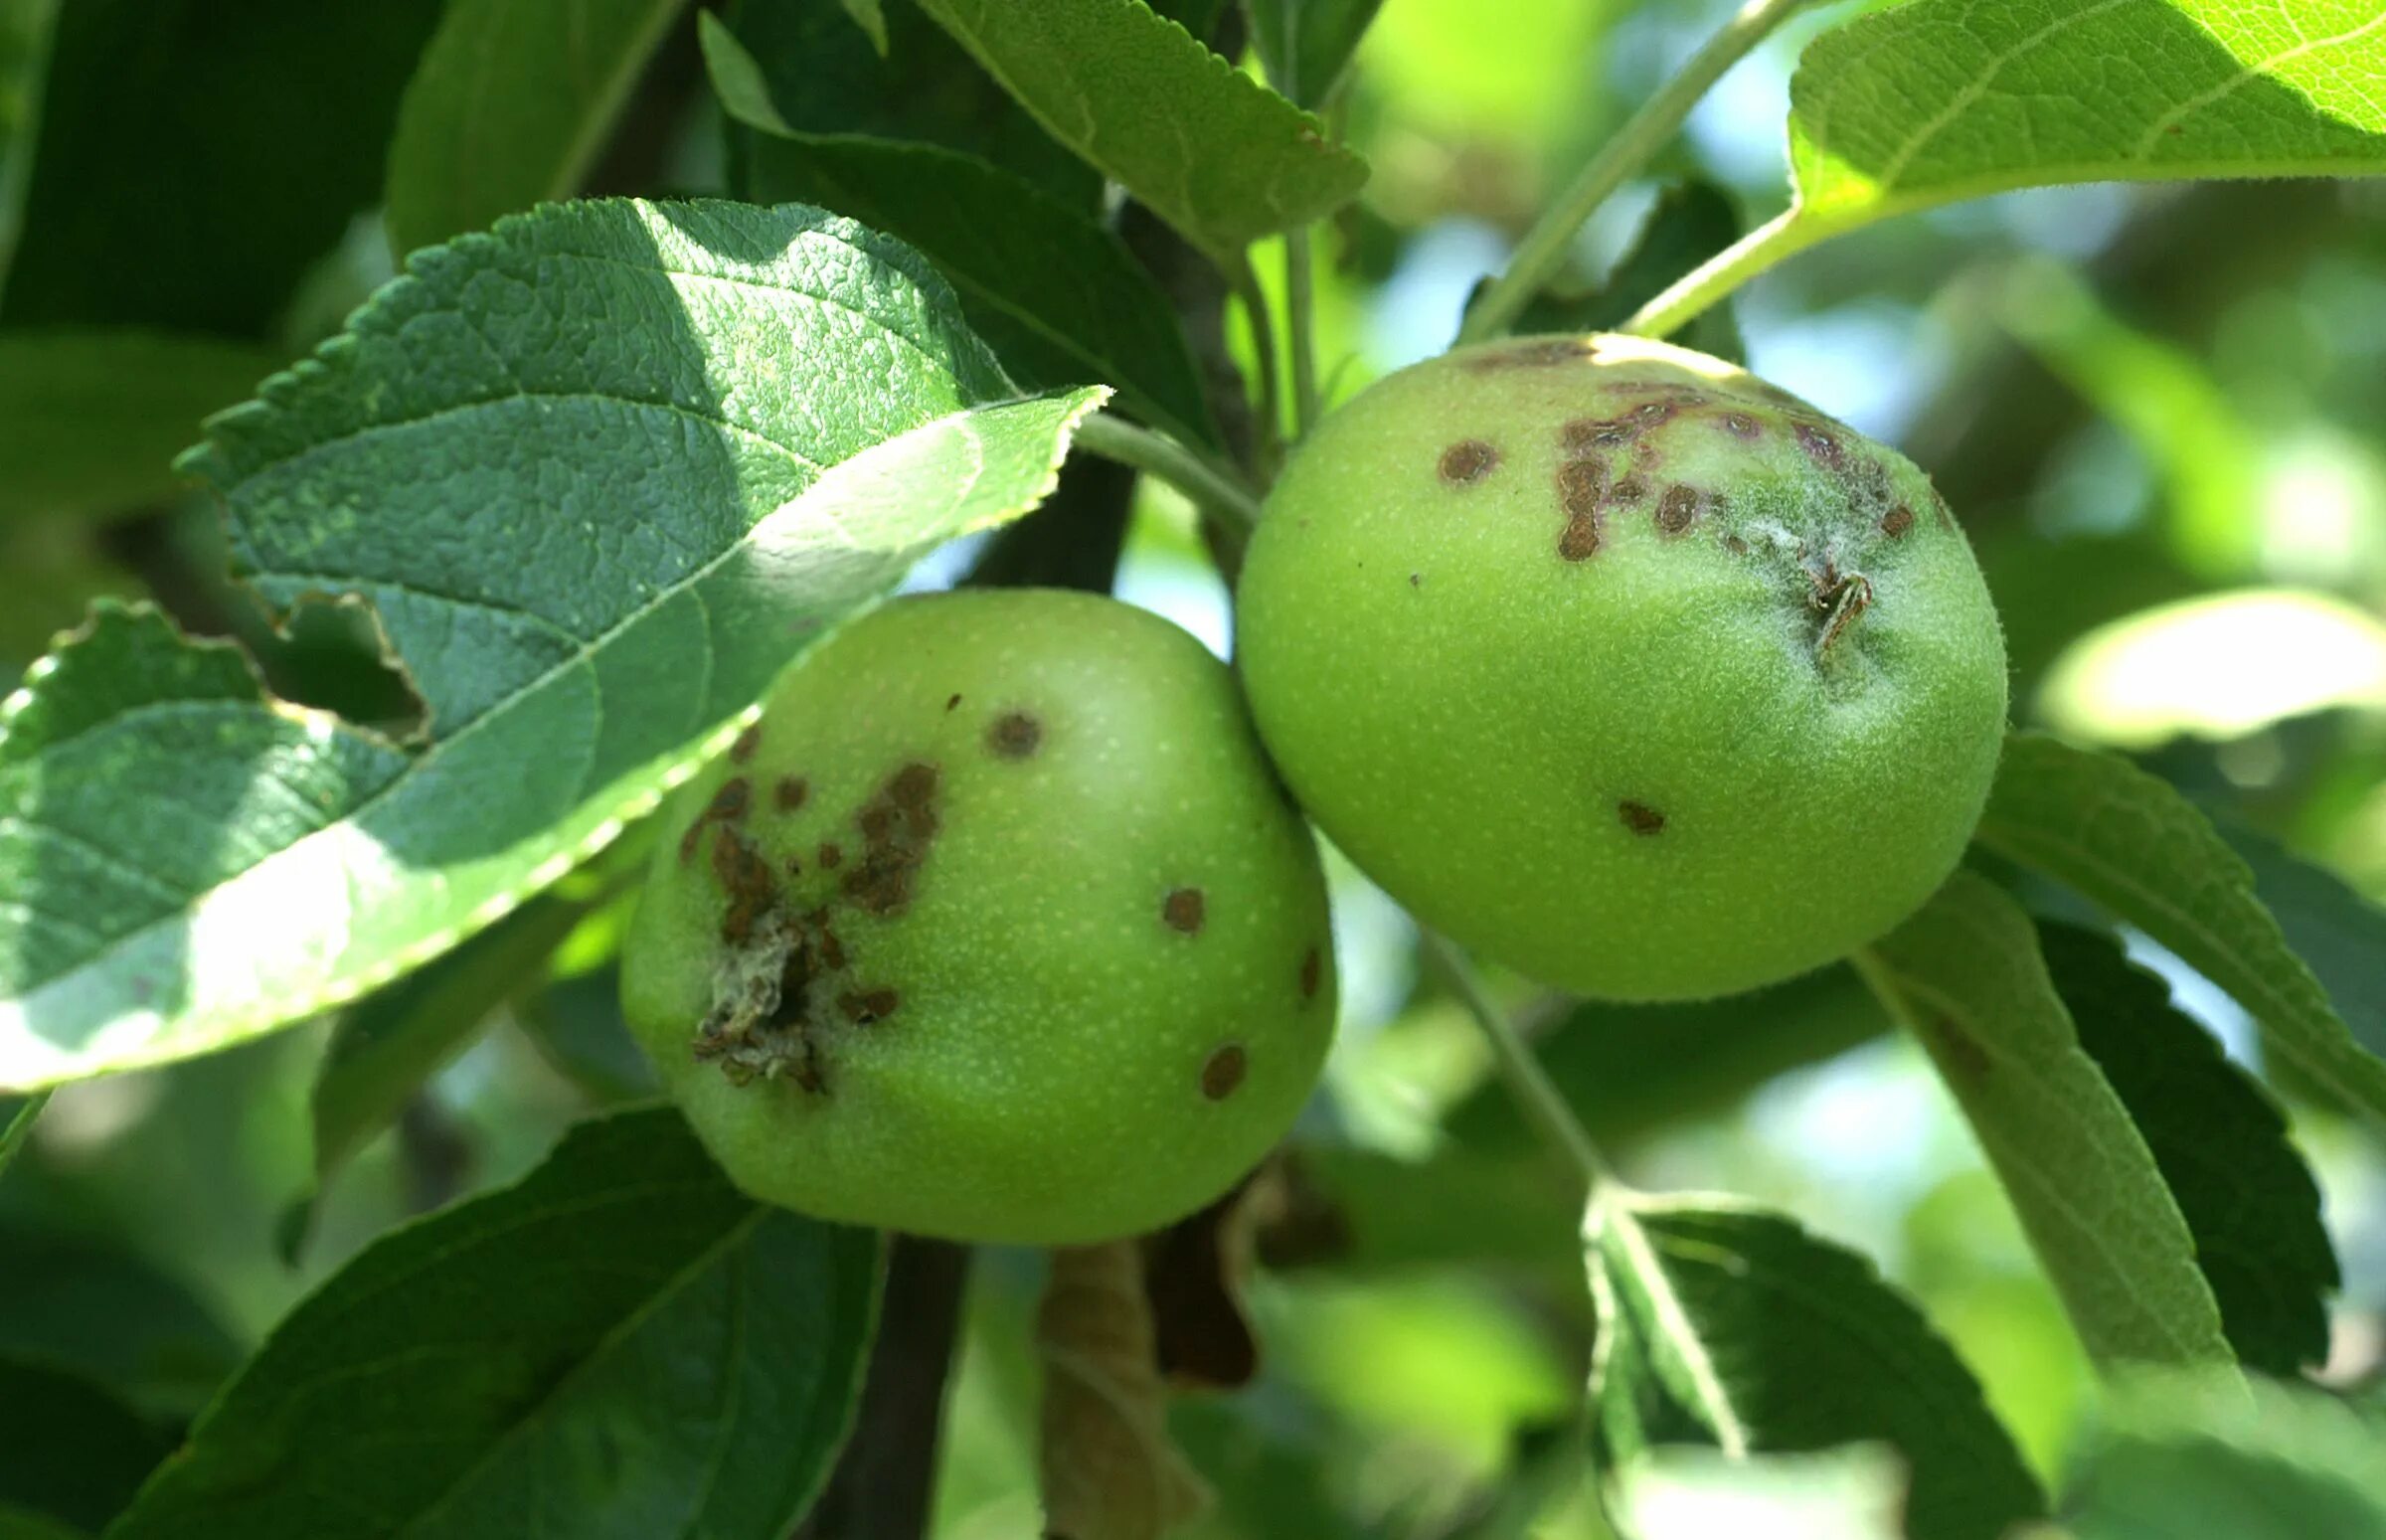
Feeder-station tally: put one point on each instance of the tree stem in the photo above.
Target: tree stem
(1537, 1097)
(1696, 292)
(1543, 250)
(1301, 317)
(1212, 487)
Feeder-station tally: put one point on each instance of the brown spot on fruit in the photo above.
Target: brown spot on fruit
(831, 857)
(1583, 435)
(1468, 461)
(1579, 541)
(865, 1006)
(1312, 973)
(897, 826)
(789, 792)
(1547, 353)
(1896, 521)
(1015, 735)
(1579, 484)
(1741, 425)
(1677, 510)
(747, 742)
(729, 804)
(746, 877)
(1640, 817)
(1630, 490)
(1224, 1072)
(1184, 910)
(951, 701)
(1651, 414)
(1735, 545)
(1824, 449)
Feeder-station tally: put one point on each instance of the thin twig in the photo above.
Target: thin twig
(1537, 1097)
(1543, 250)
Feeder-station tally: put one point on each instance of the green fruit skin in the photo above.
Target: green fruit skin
(1488, 675)
(1055, 1065)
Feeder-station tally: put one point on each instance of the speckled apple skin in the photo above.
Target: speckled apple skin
(990, 1012)
(1622, 667)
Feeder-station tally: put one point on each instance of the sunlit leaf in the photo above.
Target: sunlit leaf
(1854, 1493)
(1057, 293)
(619, 1346)
(599, 475)
(1120, 86)
(1967, 977)
(510, 106)
(1728, 1325)
(2134, 845)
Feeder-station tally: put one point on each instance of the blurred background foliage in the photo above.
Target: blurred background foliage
(2161, 413)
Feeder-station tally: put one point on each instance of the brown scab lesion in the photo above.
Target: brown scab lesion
(747, 741)
(727, 806)
(1741, 425)
(1223, 1072)
(830, 857)
(1015, 735)
(1581, 484)
(1184, 910)
(790, 792)
(952, 701)
(867, 1007)
(1678, 509)
(1312, 973)
(1640, 817)
(1590, 436)
(1821, 445)
(1541, 353)
(746, 877)
(1896, 521)
(1627, 492)
(1468, 461)
(899, 825)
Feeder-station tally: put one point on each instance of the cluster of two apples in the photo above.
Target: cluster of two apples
(1607, 659)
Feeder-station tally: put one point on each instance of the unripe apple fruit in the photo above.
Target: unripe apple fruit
(996, 926)
(1622, 667)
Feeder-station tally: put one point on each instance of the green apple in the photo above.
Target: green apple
(995, 925)
(1622, 667)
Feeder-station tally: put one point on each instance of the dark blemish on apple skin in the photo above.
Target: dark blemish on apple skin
(1741, 425)
(1222, 1073)
(727, 807)
(1583, 434)
(1896, 521)
(1580, 483)
(1735, 545)
(1824, 449)
(1312, 973)
(1654, 413)
(1014, 736)
(1468, 461)
(1630, 490)
(862, 1007)
(831, 857)
(1640, 819)
(1530, 355)
(1579, 541)
(746, 877)
(790, 792)
(1184, 910)
(747, 742)
(1677, 510)
(898, 825)
(951, 701)
(1415, 580)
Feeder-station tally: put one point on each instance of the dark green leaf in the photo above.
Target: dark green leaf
(1120, 86)
(90, 419)
(1363, 1211)
(2339, 934)
(622, 1345)
(599, 475)
(2196, 1458)
(1691, 222)
(2246, 1194)
(923, 88)
(1966, 976)
(69, 1448)
(1728, 1325)
(97, 1308)
(1629, 1070)
(1058, 295)
(1306, 45)
(509, 108)
(192, 161)
(2137, 847)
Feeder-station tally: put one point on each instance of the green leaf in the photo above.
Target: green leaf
(69, 1448)
(923, 88)
(1691, 222)
(192, 161)
(2191, 1456)
(1364, 1212)
(1944, 100)
(1120, 86)
(1727, 1324)
(2246, 1193)
(871, 18)
(1058, 294)
(15, 1125)
(2134, 845)
(1630, 1069)
(510, 106)
(599, 475)
(17, 1524)
(2335, 929)
(90, 419)
(1852, 1494)
(1306, 46)
(622, 1345)
(1966, 975)
(94, 1307)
